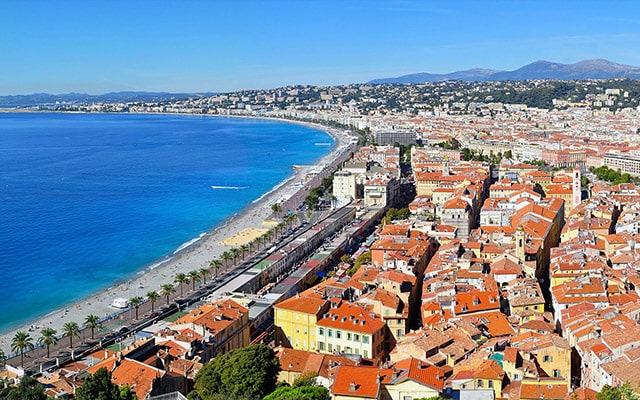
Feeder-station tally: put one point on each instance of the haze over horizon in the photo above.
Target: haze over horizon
(189, 46)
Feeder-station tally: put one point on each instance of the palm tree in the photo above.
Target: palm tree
(70, 329)
(167, 290)
(276, 208)
(21, 341)
(194, 277)
(92, 323)
(203, 273)
(216, 264)
(251, 244)
(259, 240)
(153, 297)
(235, 252)
(135, 302)
(48, 337)
(243, 249)
(280, 227)
(269, 235)
(226, 256)
(291, 218)
(181, 278)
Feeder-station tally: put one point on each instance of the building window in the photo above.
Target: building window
(480, 383)
(490, 383)
(330, 347)
(546, 358)
(365, 339)
(556, 373)
(348, 335)
(356, 337)
(320, 331)
(330, 332)
(338, 335)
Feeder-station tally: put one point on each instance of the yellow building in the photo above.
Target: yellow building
(484, 375)
(552, 353)
(295, 321)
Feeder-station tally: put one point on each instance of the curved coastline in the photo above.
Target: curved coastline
(191, 255)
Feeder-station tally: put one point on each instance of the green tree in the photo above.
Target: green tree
(194, 277)
(609, 393)
(167, 290)
(3, 359)
(48, 337)
(216, 264)
(235, 252)
(135, 302)
(276, 208)
(363, 258)
(21, 341)
(624, 392)
(204, 272)
(28, 389)
(243, 249)
(98, 386)
(306, 379)
(70, 330)
(181, 279)
(126, 393)
(92, 322)
(299, 393)
(153, 297)
(246, 373)
(226, 256)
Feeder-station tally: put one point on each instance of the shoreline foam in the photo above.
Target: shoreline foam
(194, 254)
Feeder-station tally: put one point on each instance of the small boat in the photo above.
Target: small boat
(322, 144)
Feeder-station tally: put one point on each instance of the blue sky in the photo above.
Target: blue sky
(197, 46)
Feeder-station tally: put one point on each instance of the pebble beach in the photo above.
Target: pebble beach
(255, 219)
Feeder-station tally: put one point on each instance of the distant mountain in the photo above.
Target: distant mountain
(82, 98)
(588, 69)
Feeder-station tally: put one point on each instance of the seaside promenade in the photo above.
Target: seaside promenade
(194, 257)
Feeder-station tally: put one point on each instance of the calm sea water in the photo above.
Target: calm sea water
(87, 200)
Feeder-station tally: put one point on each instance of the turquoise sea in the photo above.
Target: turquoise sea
(88, 200)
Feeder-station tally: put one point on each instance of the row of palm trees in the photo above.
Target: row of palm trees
(23, 342)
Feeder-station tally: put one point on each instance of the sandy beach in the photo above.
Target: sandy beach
(240, 228)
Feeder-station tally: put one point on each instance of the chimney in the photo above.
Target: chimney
(352, 386)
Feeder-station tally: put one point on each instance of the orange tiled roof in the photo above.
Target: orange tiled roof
(421, 372)
(545, 391)
(470, 302)
(359, 381)
(351, 317)
(137, 375)
(304, 304)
